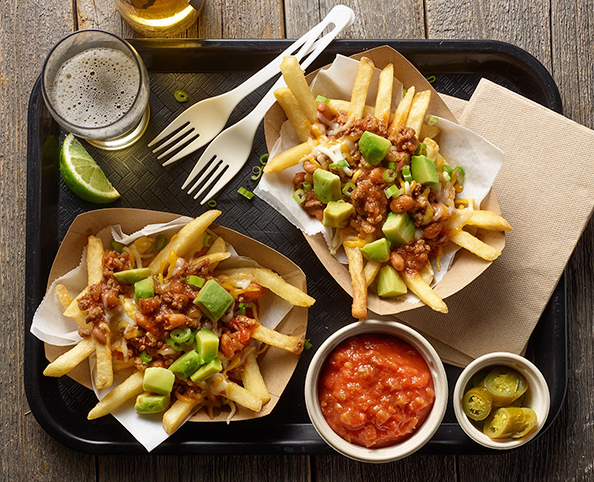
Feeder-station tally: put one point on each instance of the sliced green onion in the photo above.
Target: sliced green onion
(404, 92)
(391, 165)
(333, 165)
(307, 344)
(460, 171)
(207, 240)
(196, 281)
(299, 196)
(348, 188)
(306, 185)
(145, 357)
(264, 159)
(180, 96)
(432, 120)
(241, 310)
(247, 304)
(181, 335)
(245, 193)
(257, 173)
(160, 242)
(446, 168)
(390, 175)
(212, 203)
(392, 191)
(406, 173)
(339, 164)
(431, 79)
(421, 149)
(117, 247)
(173, 344)
(367, 165)
(182, 280)
(321, 98)
(447, 177)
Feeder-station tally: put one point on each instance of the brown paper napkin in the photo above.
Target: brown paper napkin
(544, 190)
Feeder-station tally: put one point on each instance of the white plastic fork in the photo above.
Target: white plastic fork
(230, 150)
(199, 124)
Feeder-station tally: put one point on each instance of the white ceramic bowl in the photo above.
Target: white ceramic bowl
(421, 435)
(537, 397)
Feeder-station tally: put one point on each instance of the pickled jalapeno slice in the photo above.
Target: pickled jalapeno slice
(510, 422)
(477, 403)
(505, 385)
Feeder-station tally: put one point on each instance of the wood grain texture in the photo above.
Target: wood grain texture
(27, 32)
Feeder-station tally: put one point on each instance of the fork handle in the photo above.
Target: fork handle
(339, 15)
(342, 21)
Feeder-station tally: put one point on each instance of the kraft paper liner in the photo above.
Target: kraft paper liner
(466, 266)
(277, 365)
(545, 188)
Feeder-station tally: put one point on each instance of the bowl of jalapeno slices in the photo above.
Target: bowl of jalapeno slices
(501, 400)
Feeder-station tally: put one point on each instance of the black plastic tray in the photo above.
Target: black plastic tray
(204, 68)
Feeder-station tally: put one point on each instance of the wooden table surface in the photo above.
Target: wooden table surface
(559, 33)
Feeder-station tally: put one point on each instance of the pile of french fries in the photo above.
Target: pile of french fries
(301, 109)
(107, 338)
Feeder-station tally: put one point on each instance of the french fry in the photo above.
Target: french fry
(289, 158)
(427, 274)
(359, 94)
(419, 287)
(67, 361)
(372, 268)
(182, 241)
(213, 258)
(358, 281)
(243, 397)
(178, 413)
(104, 376)
(432, 148)
(252, 379)
(65, 300)
(295, 80)
(418, 109)
(344, 106)
(95, 254)
(429, 131)
(294, 113)
(476, 246)
(275, 283)
(383, 100)
(402, 110)
(288, 343)
(129, 388)
(119, 364)
(217, 246)
(488, 220)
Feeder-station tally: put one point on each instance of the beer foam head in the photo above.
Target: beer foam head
(95, 87)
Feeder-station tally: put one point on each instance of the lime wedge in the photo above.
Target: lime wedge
(82, 174)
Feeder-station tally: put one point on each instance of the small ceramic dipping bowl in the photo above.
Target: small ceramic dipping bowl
(537, 397)
(420, 436)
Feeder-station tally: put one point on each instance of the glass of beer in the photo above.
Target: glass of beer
(96, 86)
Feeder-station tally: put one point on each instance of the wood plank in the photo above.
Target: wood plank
(27, 33)
(395, 19)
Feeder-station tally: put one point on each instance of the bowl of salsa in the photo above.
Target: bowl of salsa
(376, 391)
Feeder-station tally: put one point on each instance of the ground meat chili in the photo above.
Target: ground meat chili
(375, 390)
(378, 190)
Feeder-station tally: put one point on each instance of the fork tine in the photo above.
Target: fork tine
(221, 183)
(205, 159)
(220, 171)
(177, 123)
(194, 145)
(178, 136)
(207, 168)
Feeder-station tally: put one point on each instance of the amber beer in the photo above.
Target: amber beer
(159, 18)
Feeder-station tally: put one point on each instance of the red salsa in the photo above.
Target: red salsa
(375, 390)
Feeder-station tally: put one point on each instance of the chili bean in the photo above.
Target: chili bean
(309, 167)
(299, 178)
(432, 230)
(376, 176)
(99, 335)
(397, 261)
(402, 204)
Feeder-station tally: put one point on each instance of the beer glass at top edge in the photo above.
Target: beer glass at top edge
(96, 86)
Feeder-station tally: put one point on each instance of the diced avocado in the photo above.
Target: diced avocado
(158, 380)
(326, 186)
(207, 344)
(377, 250)
(131, 276)
(399, 229)
(423, 170)
(195, 281)
(207, 371)
(337, 214)
(186, 364)
(144, 288)
(149, 403)
(373, 147)
(213, 300)
(389, 283)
